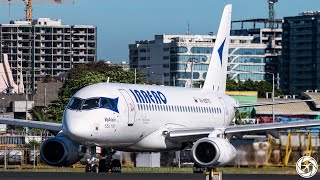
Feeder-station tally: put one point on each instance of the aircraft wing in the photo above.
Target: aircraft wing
(191, 134)
(271, 103)
(33, 124)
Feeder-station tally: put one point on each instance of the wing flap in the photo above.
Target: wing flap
(33, 124)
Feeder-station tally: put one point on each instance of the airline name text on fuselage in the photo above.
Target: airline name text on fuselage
(145, 96)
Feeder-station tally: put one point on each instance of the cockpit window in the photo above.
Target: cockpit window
(90, 103)
(104, 103)
(93, 103)
(75, 103)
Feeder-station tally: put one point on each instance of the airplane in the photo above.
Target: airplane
(148, 118)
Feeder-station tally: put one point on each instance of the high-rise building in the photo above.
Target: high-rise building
(300, 62)
(169, 59)
(45, 47)
(262, 32)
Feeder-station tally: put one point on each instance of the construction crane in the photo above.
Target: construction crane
(29, 6)
(29, 11)
(271, 12)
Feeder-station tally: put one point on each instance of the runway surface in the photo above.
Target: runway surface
(94, 176)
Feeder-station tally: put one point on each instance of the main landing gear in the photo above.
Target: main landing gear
(106, 162)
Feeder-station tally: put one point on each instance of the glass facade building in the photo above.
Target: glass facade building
(300, 62)
(169, 59)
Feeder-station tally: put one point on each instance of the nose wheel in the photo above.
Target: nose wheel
(105, 164)
(92, 161)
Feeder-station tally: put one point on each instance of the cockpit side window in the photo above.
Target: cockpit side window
(91, 103)
(75, 103)
(104, 103)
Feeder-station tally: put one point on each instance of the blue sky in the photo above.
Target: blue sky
(121, 22)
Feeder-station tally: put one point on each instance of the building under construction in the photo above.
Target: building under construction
(45, 47)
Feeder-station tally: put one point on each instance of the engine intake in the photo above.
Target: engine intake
(60, 151)
(213, 152)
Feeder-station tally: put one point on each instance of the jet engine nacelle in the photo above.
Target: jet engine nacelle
(60, 151)
(213, 152)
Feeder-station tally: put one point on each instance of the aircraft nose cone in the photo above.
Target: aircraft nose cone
(74, 127)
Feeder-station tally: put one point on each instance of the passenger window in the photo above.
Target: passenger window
(90, 104)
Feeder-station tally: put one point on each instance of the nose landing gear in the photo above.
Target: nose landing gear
(92, 161)
(105, 164)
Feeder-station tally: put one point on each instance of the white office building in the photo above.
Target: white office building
(169, 59)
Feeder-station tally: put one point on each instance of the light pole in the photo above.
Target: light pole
(135, 75)
(273, 115)
(192, 60)
(3, 106)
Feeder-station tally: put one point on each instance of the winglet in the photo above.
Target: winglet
(217, 71)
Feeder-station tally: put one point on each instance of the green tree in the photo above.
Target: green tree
(262, 87)
(38, 113)
(84, 75)
(232, 85)
(198, 84)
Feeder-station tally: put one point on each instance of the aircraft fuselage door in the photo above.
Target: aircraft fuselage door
(225, 110)
(130, 107)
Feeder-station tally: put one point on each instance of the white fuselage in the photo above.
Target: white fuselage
(142, 114)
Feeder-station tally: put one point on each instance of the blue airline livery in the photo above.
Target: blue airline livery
(155, 97)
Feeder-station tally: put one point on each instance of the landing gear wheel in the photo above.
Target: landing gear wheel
(88, 168)
(116, 166)
(95, 168)
(103, 166)
(92, 161)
